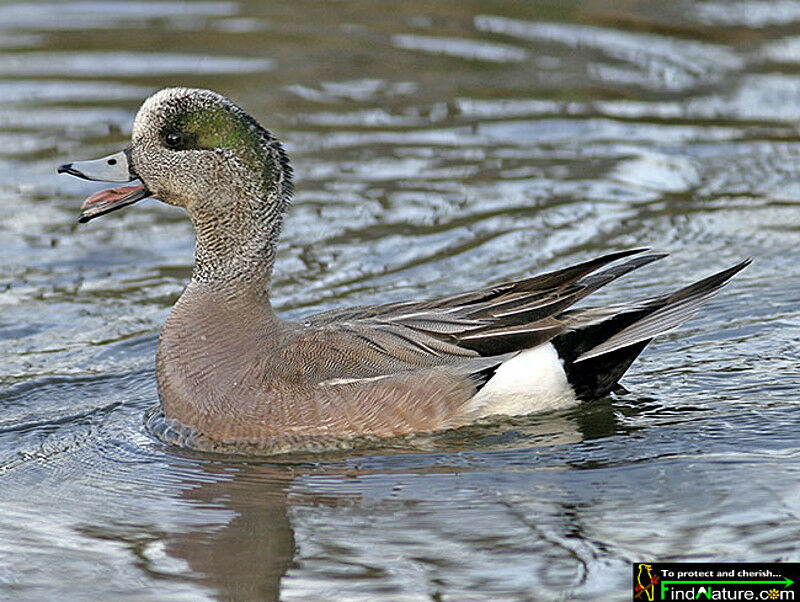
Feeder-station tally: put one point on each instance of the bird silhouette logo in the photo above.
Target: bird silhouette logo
(646, 581)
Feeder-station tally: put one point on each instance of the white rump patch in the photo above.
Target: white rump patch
(532, 381)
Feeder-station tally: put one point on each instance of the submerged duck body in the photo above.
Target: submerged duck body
(230, 369)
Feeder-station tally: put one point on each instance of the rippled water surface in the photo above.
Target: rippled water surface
(438, 147)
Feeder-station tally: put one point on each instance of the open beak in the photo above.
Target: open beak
(113, 168)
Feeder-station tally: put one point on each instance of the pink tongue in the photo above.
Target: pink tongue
(111, 195)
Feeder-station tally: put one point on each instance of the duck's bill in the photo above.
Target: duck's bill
(113, 168)
(106, 201)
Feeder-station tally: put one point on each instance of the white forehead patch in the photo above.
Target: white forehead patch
(155, 105)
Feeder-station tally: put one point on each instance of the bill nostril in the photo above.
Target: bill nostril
(112, 161)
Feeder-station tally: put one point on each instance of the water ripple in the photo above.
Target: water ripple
(460, 48)
(125, 64)
(660, 61)
(436, 150)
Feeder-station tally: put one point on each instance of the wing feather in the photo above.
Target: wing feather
(493, 321)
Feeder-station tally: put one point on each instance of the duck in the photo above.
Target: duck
(234, 373)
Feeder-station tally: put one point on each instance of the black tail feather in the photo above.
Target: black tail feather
(600, 344)
(597, 377)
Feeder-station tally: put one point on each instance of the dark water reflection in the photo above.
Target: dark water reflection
(438, 146)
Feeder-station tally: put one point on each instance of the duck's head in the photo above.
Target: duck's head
(196, 149)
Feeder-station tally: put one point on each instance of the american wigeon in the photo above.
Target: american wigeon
(234, 372)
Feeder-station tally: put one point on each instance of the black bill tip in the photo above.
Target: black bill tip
(68, 168)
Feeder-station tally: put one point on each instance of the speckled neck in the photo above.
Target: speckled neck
(238, 246)
(237, 234)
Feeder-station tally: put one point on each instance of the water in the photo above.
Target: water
(438, 147)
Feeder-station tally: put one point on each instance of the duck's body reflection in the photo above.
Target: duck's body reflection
(247, 558)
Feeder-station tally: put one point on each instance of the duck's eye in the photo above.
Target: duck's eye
(173, 139)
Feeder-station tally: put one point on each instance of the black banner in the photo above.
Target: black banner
(701, 581)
